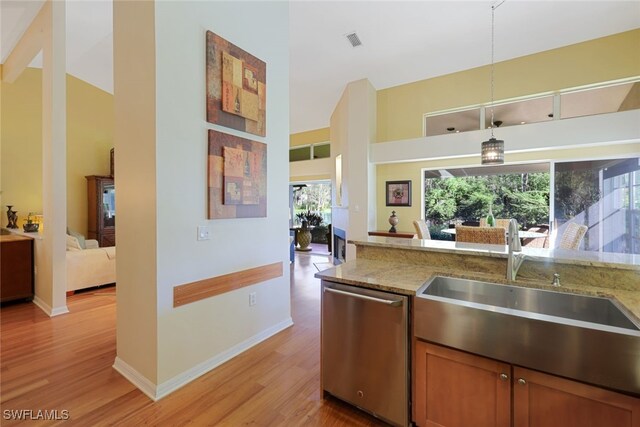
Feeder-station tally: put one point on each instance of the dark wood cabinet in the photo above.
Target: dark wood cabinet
(101, 193)
(17, 275)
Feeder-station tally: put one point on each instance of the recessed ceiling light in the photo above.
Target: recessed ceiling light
(522, 123)
(457, 131)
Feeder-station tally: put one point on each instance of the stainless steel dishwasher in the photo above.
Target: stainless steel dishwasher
(365, 351)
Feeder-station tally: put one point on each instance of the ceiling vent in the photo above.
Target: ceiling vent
(354, 39)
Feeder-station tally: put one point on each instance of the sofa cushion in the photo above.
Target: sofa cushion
(73, 244)
(78, 236)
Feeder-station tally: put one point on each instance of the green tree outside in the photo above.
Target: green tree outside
(524, 197)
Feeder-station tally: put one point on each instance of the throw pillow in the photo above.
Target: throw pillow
(78, 236)
(73, 244)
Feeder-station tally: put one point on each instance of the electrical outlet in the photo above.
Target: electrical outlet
(203, 232)
(252, 299)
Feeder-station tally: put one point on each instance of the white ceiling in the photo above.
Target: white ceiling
(89, 36)
(403, 41)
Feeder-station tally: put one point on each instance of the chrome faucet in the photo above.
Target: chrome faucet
(515, 259)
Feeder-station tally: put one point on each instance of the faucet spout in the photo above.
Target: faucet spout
(514, 260)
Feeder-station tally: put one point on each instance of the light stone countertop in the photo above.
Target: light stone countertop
(406, 279)
(561, 256)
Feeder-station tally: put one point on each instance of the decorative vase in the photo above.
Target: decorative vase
(12, 217)
(304, 237)
(491, 221)
(393, 220)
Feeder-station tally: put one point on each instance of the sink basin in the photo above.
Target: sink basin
(601, 311)
(589, 339)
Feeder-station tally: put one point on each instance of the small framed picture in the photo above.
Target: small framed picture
(398, 193)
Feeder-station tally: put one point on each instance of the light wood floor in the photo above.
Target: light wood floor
(64, 363)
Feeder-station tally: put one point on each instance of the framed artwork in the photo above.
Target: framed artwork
(398, 193)
(236, 87)
(237, 177)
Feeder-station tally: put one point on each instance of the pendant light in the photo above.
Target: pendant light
(493, 149)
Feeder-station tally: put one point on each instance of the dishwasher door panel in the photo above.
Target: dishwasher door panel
(364, 350)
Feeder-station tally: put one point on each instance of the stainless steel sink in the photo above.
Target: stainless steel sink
(601, 311)
(586, 338)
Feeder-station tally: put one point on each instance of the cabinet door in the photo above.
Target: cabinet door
(542, 400)
(457, 389)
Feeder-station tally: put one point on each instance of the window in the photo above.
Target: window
(621, 97)
(603, 195)
(520, 112)
(321, 151)
(308, 152)
(574, 102)
(299, 153)
(453, 122)
(464, 196)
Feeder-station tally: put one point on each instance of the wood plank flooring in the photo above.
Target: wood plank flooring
(64, 363)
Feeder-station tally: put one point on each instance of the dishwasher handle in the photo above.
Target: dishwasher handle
(393, 303)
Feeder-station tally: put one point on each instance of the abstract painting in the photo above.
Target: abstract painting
(237, 177)
(236, 87)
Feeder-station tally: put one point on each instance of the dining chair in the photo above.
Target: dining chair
(421, 229)
(502, 223)
(489, 235)
(572, 236)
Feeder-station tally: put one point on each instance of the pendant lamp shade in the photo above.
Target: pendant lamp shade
(493, 152)
(493, 149)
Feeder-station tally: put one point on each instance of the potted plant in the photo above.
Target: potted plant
(30, 226)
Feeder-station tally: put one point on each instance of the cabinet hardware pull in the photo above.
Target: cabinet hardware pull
(504, 377)
(521, 381)
(393, 303)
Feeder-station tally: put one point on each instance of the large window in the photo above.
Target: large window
(464, 196)
(604, 195)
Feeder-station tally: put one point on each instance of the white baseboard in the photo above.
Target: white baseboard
(51, 312)
(186, 377)
(168, 387)
(135, 378)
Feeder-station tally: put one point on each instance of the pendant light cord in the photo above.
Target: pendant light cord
(493, 12)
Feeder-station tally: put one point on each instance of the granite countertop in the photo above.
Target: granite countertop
(408, 278)
(561, 256)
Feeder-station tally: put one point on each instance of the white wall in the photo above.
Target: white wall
(208, 331)
(353, 130)
(313, 169)
(621, 127)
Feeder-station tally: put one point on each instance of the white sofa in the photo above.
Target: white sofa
(90, 267)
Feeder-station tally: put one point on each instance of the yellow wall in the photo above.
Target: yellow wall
(89, 139)
(21, 147)
(309, 137)
(413, 171)
(400, 108)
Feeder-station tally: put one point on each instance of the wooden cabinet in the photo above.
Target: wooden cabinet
(16, 271)
(541, 400)
(102, 209)
(457, 389)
